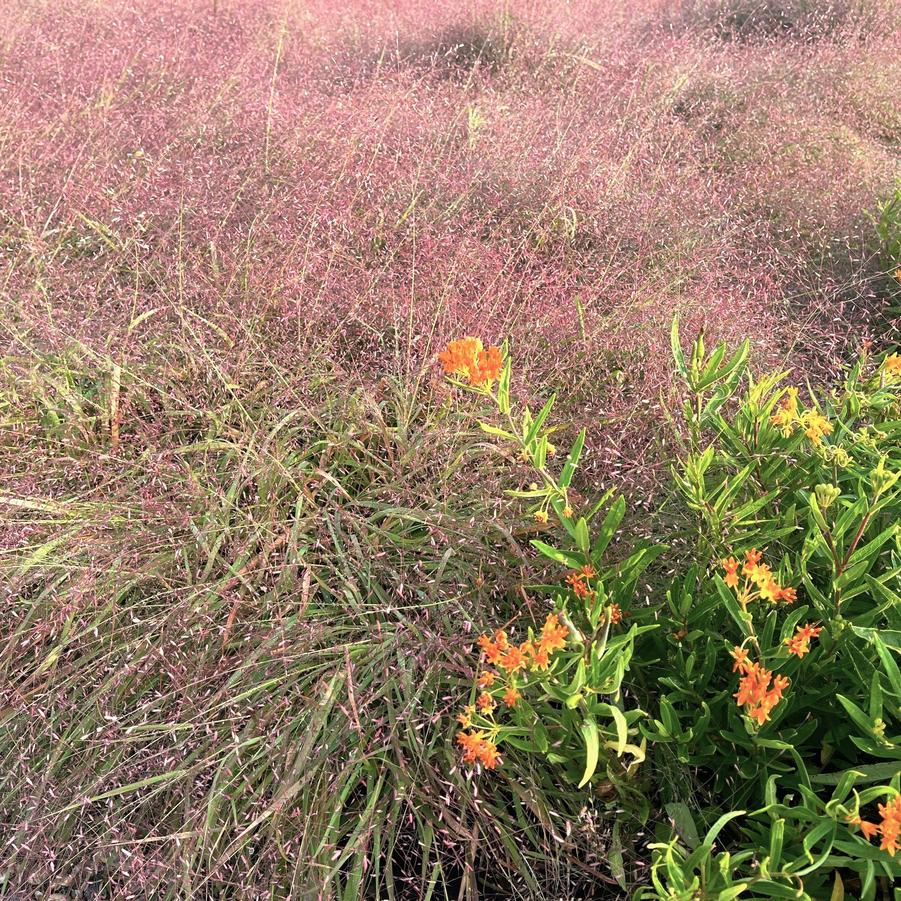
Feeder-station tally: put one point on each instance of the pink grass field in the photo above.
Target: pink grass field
(254, 177)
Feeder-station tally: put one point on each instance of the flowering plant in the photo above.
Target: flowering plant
(557, 692)
(770, 667)
(791, 662)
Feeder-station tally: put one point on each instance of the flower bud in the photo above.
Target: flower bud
(881, 479)
(827, 495)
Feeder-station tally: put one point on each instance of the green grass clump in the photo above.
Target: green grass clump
(233, 633)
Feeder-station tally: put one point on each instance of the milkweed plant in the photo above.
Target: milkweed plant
(752, 696)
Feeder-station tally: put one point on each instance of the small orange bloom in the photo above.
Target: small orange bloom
(476, 747)
(490, 648)
(500, 639)
(486, 679)
(753, 557)
(489, 755)
(468, 358)
(731, 567)
(577, 583)
(615, 612)
(465, 718)
(537, 655)
(756, 694)
(868, 829)
(890, 827)
(788, 595)
(588, 572)
(553, 635)
(511, 696)
(893, 362)
(799, 643)
(740, 656)
(513, 660)
(485, 702)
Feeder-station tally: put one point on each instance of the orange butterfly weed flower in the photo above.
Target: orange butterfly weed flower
(731, 567)
(489, 648)
(576, 581)
(890, 827)
(513, 660)
(476, 747)
(485, 702)
(868, 829)
(799, 643)
(740, 656)
(787, 413)
(468, 358)
(553, 634)
(615, 612)
(486, 679)
(758, 692)
(511, 696)
(540, 658)
(893, 361)
(465, 718)
(788, 595)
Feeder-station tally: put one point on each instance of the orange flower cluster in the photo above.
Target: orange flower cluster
(578, 581)
(788, 416)
(477, 747)
(758, 582)
(614, 611)
(889, 828)
(758, 692)
(531, 654)
(468, 358)
(799, 643)
(509, 659)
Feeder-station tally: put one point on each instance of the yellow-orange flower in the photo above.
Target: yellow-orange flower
(553, 634)
(468, 358)
(756, 693)
(815, 426)
(490, 648)
(541, 516)
(485, 702)
(893, 362)
(786, 414)
(740, 656)
(486, 679)
(511, 696)
(890, 827)
(476, 747)
(799, 643)
(540, 659)
(615, 612)
(731, 567)
(465, 718)
(513, 660)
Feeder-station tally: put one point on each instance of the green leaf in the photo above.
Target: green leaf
(583, 541)
(573, 561)
(498, 433)
(535, 428)
(608, 528)
(731, 604)
(572, 461)
(684, 823)
(676, 345)
(592, 746)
